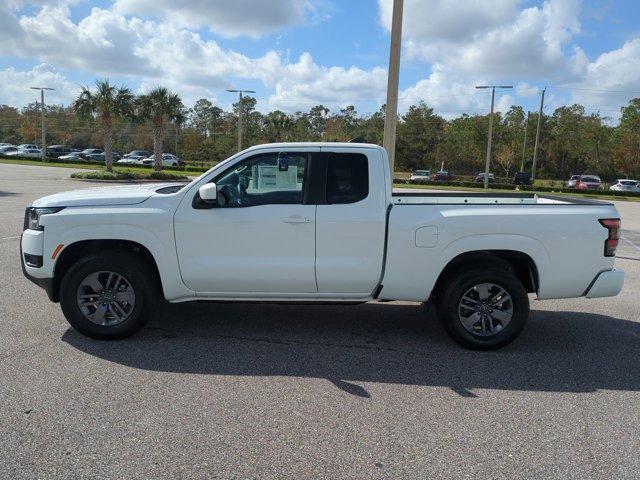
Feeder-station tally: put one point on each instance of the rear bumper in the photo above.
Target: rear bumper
(606, 284)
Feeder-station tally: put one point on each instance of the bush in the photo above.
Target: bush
(127, 175)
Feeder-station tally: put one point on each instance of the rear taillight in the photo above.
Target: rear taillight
(611, 243)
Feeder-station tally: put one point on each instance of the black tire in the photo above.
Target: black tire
(136, 272)
(459, 283)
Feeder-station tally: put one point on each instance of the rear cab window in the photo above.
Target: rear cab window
(347, 178)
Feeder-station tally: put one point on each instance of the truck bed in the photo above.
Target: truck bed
(481, 198)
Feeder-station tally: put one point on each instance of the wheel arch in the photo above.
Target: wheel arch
(519, 263)
(73, 252)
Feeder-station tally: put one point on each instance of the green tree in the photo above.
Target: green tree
(627, 151)
(160, 106)
(419, 133)
(105, 102)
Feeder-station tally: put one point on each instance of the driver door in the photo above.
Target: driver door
(262, 242)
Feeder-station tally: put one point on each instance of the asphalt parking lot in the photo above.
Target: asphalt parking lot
(275, 391)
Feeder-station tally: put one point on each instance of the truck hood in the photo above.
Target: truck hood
(100, 196)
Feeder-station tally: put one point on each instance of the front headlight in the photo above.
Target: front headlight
(34, 214)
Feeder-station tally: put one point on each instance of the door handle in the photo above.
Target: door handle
(296, 219)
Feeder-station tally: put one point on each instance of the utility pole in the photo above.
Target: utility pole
(535, 148)
(488, 160)
(240, 92)
(44, 138)
(391, 109)
(524, 143)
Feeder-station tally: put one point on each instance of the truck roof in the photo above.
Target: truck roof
(314, 144)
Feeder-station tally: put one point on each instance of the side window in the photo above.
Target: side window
(347, 178)
(268, 179)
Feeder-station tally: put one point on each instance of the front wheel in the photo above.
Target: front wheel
(107, 296)
(484, 308)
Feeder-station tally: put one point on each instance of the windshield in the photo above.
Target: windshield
(628, 183)
(590, 179)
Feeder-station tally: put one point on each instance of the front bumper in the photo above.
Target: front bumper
(43, 282)
(606, 284)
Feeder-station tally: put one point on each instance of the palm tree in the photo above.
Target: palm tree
(105, 102)
(160, 106)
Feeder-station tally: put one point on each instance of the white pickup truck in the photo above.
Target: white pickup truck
(315, 222)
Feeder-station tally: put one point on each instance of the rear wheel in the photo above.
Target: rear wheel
(484, 308)
(107, 296)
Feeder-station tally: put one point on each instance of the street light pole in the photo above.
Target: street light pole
(535, 148)
(44, 146)
(240, 92)
(524, 143)
(488, 159)
(391, 109)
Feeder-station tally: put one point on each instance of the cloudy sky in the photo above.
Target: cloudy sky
(299, 53)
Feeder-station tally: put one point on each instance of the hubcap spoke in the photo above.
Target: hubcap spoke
(502, 315)
(126, 296)
(483, 291)
(93, 282)
(98, 315)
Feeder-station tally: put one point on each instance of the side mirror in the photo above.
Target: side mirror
(209, 193)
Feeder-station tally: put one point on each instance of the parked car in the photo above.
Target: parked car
(26, 153)
(571, 183)
(135, 157)
(137, 154)
(168, 160)
(522, 178)
(25, 146)
(243, 230)
(424, 175)
(6, 145)
(441, 176)
(480, 178)
(589, 182)
(100, 157)
(5, 150)
(90, 151)
(56, 151)
(71, 156)
(626, 185)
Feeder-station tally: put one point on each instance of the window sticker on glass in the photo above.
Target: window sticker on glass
(270, 177)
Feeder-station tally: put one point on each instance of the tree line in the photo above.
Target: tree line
(571, 140)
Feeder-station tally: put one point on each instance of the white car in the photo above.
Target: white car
(316, 222)
(626, 185)
(71, 156)
(424, 175)
(7, 149)
(27, 146)
(168, 160)
(26, 153)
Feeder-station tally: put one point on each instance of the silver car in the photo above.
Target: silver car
(626, 185)
(571, 183)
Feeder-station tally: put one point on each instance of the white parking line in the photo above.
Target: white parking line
(10, 238)
(630, 243)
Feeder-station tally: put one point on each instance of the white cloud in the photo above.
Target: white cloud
(448, 20)
(15, 91)
(493, 40)
(231, 18)
(611, 80)
(304, 84)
